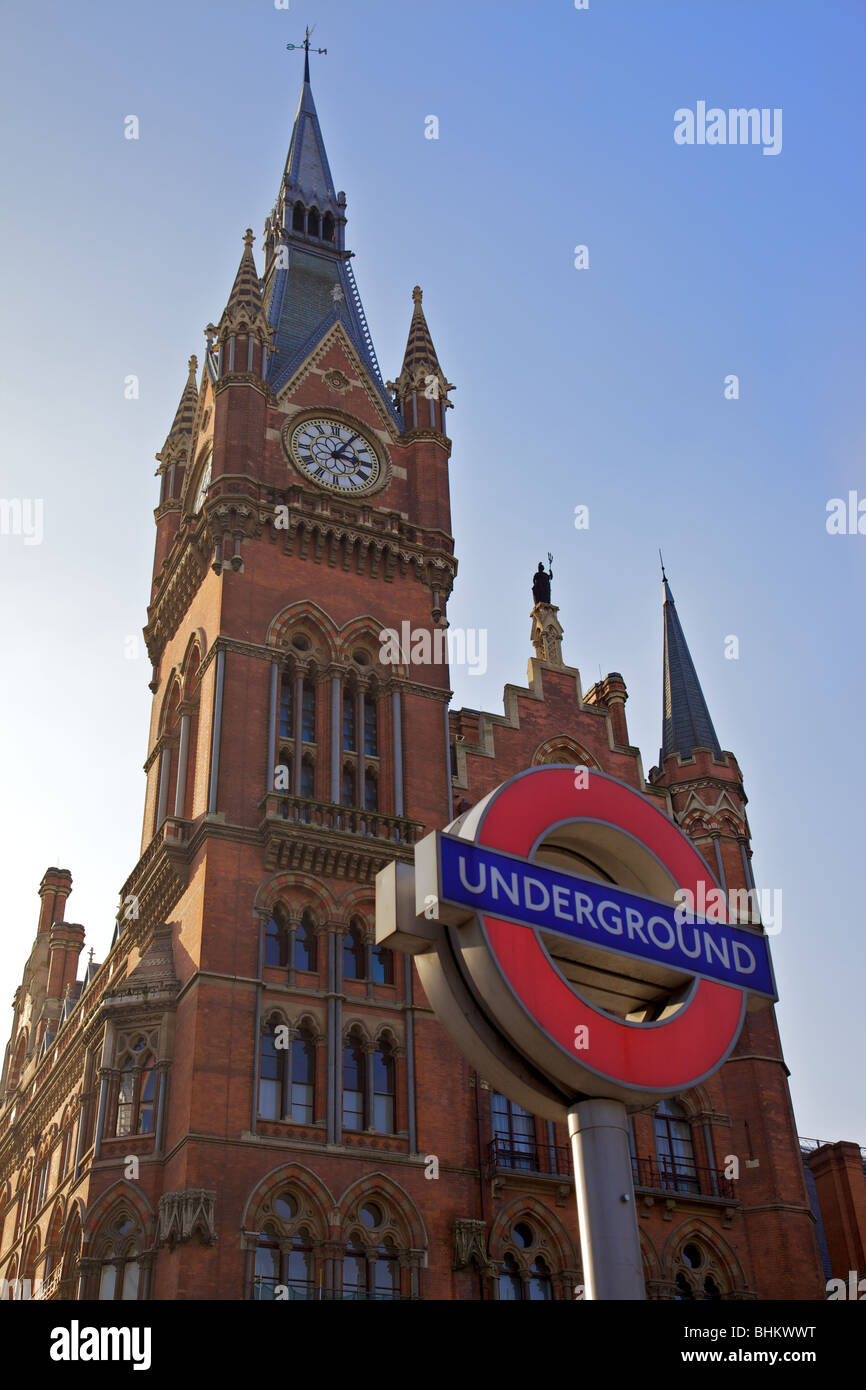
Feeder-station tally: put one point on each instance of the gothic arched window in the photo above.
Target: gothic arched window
(272, 1069)
(349, 744)
(118, 1254)
(371, 727)
(305, 942)
(348, 786)
(308, 713)
(383, 965)
(328, 227)
(303, 1077)
(383, 1089)
(308, 777)
(354, 953)
(312, 222)
(277, 939)
(675, 1153)
(136, 1092)
(287, 688)
(285, 1261)
(525, 1273)
(371, 791)
(699, 1275)
(298, 217)
(354, 1084)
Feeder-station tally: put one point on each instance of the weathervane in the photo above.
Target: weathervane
(308, 34)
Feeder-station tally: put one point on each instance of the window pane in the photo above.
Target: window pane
(354, 955)
(348, 786)
(383, 1114)
(130, 1280)
(106, 1282)
(349, 721)
(353, 1109)
(307, 778)
(286, 685)
(305, 945)
(383, 965)
(302, 1103)
(308, 713)
(371, 792)
(371, 732)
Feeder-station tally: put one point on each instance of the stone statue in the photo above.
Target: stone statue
(541, 581)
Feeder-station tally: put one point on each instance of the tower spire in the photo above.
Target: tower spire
(309, 287)
(686, 722)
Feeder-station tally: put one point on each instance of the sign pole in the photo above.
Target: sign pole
(609, 1238)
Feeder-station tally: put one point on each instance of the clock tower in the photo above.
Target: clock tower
(304, 513)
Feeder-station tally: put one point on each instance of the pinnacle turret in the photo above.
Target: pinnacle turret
(421, 378)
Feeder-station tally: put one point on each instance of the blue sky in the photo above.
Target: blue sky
(601, 387)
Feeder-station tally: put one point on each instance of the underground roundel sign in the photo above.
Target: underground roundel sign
(552, 933)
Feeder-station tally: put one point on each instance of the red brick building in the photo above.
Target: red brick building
(247, 1098)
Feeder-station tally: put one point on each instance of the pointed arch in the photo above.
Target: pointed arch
(286, 1175)
(557, 1238)
(409, 1223)
(720, 1256)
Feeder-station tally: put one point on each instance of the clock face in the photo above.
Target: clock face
(335, 455)
(203, 484)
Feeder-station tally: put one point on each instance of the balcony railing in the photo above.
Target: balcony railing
(554, 1160)
(660, 1175)
(349, 820)
(528, 1156)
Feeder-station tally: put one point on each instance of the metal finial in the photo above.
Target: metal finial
(662, 563)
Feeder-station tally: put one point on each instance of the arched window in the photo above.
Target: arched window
(287, 688)
(349, 743)
(312, 222)
(277, 940)
(298, 217)
(136, 1092)
(386, 1271)
(383, 965)
(371, 727)
(383, 1089)
(524, 1273)
(308, 713)
(272, 1069)
(540, 1286)
(303, 1077)
(305, 942)
(65, 1150)
(266, 1275)
(513, 1133)
(675, 1153)
(328, 227)
(371, 791)
(118, 1254)
(510, 1282)
(308, 774)
(354, 953)
(349, 786)
(355, 1270)
(699, 1276)
(354, 1084)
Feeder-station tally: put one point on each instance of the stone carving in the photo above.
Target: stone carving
(185, 1215)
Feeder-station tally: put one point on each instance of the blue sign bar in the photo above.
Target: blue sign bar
(535, 895)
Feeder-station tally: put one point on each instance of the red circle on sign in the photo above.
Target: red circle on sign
(669, 1055)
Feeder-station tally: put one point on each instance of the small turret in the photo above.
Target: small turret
(421, 389)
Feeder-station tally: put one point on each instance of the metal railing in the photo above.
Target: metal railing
(660, 1175)
(528, 1156)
